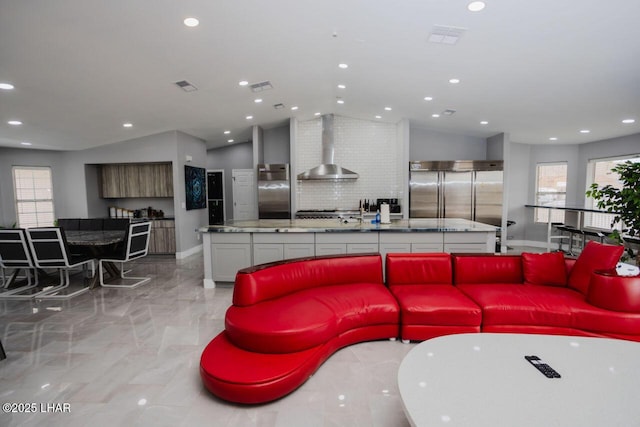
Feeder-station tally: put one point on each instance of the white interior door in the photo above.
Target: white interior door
(245, 194)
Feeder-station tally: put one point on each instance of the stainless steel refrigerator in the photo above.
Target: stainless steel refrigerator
(274, 200)
(456, 189)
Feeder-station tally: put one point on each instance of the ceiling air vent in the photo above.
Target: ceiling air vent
(262, 86)
(186, 86)
(279, 106)
(448, 112)
(446, 35)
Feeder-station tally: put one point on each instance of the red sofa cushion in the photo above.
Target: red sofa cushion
(288, 324)
(544, 269)
(418, 268)
(468, 269)
(513, 304)
(311, 317)
(241, 376)
(595, 256)
(358, 305)
(269, 281)
(435, 305)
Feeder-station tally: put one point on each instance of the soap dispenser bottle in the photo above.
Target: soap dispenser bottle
(378, 216)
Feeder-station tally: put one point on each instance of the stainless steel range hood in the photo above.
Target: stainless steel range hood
(328, 169)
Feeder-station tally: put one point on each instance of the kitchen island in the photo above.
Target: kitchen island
(239, 244)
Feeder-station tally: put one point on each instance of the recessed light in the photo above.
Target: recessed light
(342, 87)
(476, 6)
(553, 138)
(249, 117)
(229, 140)
(25, 143)
(294, 108)
(378, 117)
(243, 83)
(435, 116)
(317, 114)
(343, 66)
(227, 132)
(14, 122)
(191, 22)
(340, 101)
(387, 108)
(454, 81)
(585, 131)
(428, 98)
(257, 101)
(484, 122)
(127, 125)
(6, 86)
(628, 121)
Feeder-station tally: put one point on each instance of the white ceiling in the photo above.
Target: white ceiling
(534, 69)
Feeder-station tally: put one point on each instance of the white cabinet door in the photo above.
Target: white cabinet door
(386, 248)
(465, 247)
(331, 249)
(298, 250)
(267, 252)
(228, 258)
(359, 248)
(426, 247)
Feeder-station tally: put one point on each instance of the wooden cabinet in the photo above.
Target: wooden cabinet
(163, 237)
(137, 180)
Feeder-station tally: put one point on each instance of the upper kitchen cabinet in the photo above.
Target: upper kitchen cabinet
(136, 180)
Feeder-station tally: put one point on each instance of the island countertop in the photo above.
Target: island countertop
(424, 225)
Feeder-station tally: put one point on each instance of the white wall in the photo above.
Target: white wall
(236, 156)
(75, 178)
(56, 160)
(524, 159)
(187, 221)
(366, 147)
(427, 144)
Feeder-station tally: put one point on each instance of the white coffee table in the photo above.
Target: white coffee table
(484, 380)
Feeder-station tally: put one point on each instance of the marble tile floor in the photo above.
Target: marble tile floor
(130, 357)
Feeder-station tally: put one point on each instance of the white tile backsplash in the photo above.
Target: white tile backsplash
(369, 148)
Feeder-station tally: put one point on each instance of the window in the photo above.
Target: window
(34, 196)
(599, 170)
(551, 190)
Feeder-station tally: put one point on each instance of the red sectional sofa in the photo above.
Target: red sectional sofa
(288, 317)
(442, 294)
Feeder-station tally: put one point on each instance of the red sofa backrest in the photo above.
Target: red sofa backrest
(273, 280)
(418, 268)
(479, 268)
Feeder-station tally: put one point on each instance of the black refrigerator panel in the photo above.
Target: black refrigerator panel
(216, 212)
(214, 185)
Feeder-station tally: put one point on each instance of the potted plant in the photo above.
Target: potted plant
(623, 202)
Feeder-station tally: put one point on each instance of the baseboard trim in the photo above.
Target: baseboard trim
(189, 252)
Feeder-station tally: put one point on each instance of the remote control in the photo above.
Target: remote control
(546, 370)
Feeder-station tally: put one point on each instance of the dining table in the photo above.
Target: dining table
(98, 243)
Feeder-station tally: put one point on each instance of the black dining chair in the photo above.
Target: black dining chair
(15, 256)
(50, 250)
(136, 245)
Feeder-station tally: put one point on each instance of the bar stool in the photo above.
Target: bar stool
(592, 233)
(560, 237)
(572, 233)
